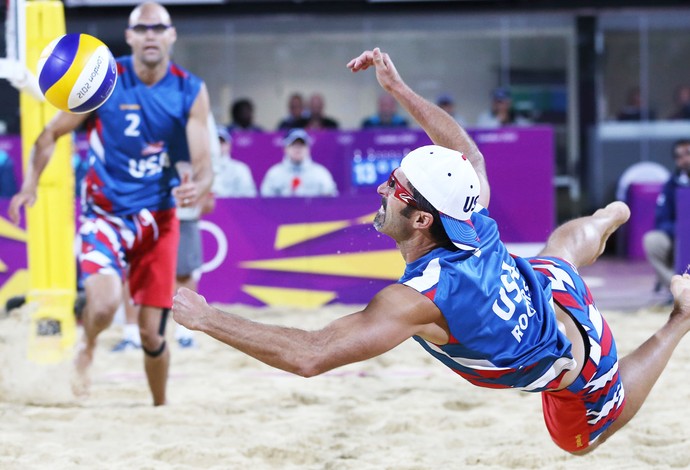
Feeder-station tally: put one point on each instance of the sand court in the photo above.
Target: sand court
(402, 410)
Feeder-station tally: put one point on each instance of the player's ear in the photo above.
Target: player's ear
(173, 35)
(423, 219)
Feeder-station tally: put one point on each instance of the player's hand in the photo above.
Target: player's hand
(186, 194)
(361, 62)
(189, 308)
(25, 197)
(386, 73)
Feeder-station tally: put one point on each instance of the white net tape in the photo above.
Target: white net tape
(12, 67)
(11, 31)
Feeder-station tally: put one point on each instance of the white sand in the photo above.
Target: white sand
(400, 411)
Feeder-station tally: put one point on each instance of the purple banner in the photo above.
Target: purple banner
(641, 198)
(12, 251)
(519, 161)
(682, 230)
(314, 251)
(321, 246)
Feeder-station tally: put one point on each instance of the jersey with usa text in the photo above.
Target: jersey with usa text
(503, 328)
(134, 139)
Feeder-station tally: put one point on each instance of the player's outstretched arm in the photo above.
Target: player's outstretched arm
(394, 315)
(41, 152)
(438, 124)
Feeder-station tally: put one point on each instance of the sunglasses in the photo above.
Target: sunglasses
(159, 28)
(401, 192)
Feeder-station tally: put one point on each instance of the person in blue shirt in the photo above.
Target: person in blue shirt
(386, 114)
(156, 117)
(659, 243)
(497, 320)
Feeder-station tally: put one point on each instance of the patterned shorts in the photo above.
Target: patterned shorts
(577, 415)
(140, 247)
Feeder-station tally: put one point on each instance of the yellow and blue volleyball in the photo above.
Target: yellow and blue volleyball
(77, 73)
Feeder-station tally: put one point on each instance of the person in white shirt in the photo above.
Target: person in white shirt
(297, 174)
(232, 177)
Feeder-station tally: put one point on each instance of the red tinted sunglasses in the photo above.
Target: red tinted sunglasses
(401, 192)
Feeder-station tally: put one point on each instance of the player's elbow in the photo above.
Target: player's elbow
(311, 367)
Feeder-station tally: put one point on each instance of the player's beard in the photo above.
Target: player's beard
(380, 217)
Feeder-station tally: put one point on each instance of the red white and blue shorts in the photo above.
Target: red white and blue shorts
(140, 247)
(577, 415)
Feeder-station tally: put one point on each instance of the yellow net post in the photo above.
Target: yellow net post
(50, 222)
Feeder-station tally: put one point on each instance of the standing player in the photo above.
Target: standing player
(156, 116)
(189, 254)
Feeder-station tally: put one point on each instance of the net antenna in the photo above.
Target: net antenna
(13, 66)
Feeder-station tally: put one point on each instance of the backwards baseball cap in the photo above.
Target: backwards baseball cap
(297, 134)
(448, 181)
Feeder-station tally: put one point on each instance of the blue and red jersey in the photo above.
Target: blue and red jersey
(135, 138)
(503, 327)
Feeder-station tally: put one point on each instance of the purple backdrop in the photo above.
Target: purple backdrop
(12, 252)
(682, 230)
(250, 227)
(641, 198)
(519, 162)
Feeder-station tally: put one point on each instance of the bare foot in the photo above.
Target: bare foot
(619, 212)
(680, 288)
(81, 381)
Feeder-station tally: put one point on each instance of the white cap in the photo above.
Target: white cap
(448, 181)
(295, 135)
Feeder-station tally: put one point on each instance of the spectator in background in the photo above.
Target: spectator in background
(8, 183)
(297, 115)
(682, 100)
(386, 115)
(242, 114)
(633, 109)
(232, 178)
(297, 174)
(447, 103)
(659, 243)
(502, 112)
(317, 119)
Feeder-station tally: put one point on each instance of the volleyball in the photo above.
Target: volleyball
(77, 73)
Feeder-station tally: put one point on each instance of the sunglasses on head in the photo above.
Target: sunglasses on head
(400, 192)
(159, 28)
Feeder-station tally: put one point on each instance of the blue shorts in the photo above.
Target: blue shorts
(577, 415)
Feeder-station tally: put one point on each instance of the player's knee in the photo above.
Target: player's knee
(150, 339)
(101, 311)
(154, 351)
